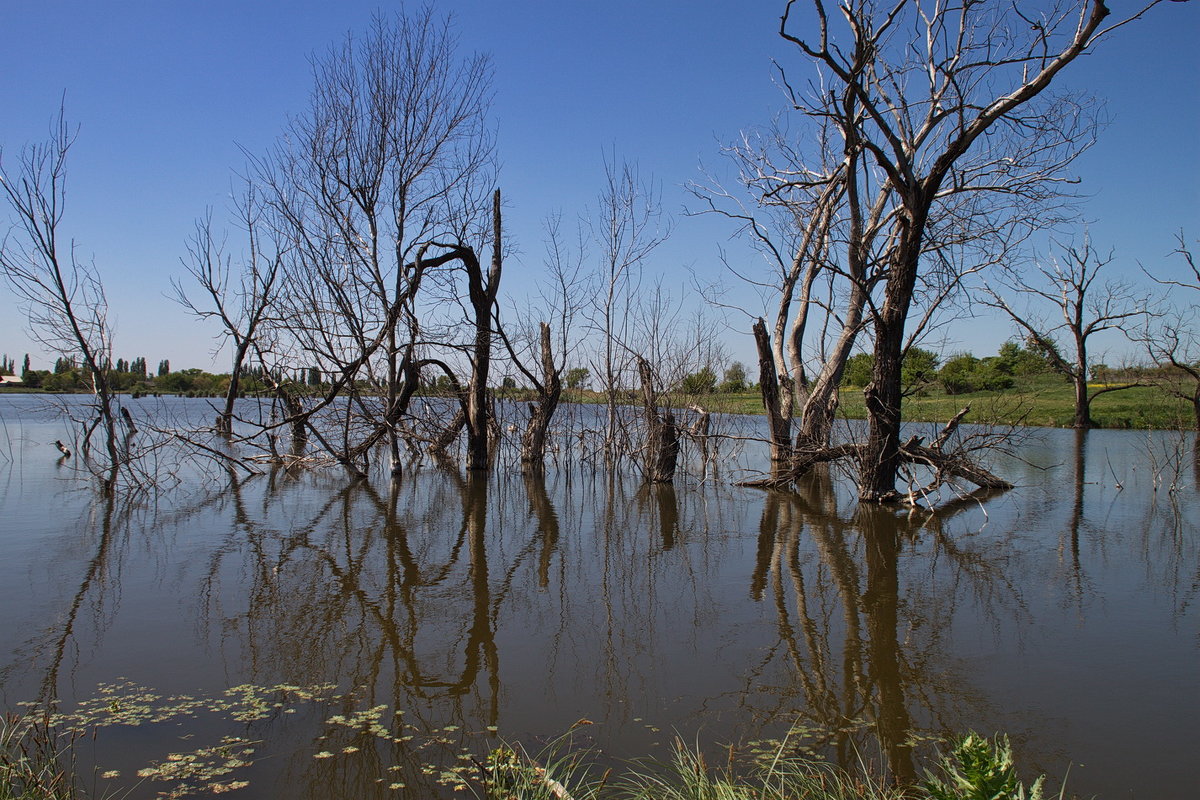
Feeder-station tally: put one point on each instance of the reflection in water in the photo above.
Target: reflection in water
(868, 688)
(863, 645)
(527, 601)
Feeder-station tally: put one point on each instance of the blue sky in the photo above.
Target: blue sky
(167, 93)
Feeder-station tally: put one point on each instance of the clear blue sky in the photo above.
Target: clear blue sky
(166, 92)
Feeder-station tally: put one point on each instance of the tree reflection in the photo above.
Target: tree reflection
(861, 648)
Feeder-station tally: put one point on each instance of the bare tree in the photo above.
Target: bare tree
(1173, 340)
(627, 228)
(1070, 286)
(937, 148)
(380, 187)
(563, 298)
(62, 294)
(239, 296)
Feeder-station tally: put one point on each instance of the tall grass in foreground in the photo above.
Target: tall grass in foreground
(35, 762)
(976, 768)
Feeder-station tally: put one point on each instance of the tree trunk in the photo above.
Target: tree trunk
(533, 442)
(662, 432)
(820, 409)
(778, 421)
(483, 297)
(881, 458)
(1083, 404)
(881, 452)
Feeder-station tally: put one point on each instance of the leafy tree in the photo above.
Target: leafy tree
(164, 367)
(918, 369)
(25, 367)
(858, 370)
(964, 373)
(577, 377)
(1013, 359)
(314, 376)
(702, 382)
(735, 378)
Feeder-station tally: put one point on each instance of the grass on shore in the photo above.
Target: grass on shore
(974, 768)
(1040, 400)
(37, 763)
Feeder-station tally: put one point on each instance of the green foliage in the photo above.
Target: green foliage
(858, 370)
(979, 769)
(702, 382)
(35, 760)
(735, 378)
(919, 368)
(965, 373)
(1019, 361)
(34, 378)
(577, 377)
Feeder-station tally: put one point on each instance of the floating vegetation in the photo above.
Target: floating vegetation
(449, 759)
(202, 771)
(127, 703)
(218, 768)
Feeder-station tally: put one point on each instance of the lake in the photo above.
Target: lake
(363, 639)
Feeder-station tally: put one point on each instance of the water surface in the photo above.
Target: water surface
(463, 609)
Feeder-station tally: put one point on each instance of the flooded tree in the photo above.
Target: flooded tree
(626, 229)
(377, 191)
(934, 147)
(1083, 302)
(238, 296)
(62, 293)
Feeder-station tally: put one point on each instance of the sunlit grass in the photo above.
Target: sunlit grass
(35, 760)
(975, 768)
(37, 757)
(1042, 400)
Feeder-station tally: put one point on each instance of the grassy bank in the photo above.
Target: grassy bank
(37, 762)
(1042, 400)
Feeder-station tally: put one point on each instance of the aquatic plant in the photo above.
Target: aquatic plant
(36, 762)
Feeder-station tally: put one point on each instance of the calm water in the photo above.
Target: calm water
(1064, 613)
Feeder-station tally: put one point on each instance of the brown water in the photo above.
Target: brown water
(1063, 613)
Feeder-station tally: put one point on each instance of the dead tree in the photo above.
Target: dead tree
(1173, 340)
(240, 297)
(626, 230)
(1069, 286)
(954, 147)
(390, 157)
(482, 291)
(62, 295)
(548, 386)
(661, 451)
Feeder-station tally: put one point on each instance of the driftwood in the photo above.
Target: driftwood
(946, 465)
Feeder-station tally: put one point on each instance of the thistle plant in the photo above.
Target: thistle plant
(980, 769)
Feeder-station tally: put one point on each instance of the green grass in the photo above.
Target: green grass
(974, 768)
(1042, 400)
(35, 760)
